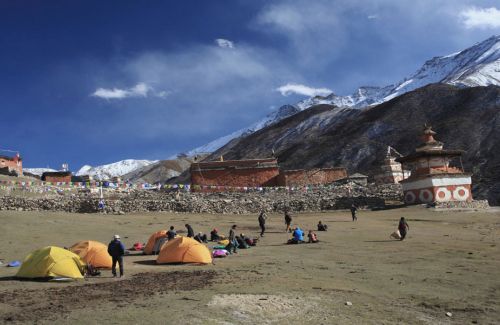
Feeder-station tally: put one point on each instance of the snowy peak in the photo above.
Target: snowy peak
(116, 169)
(478, 65)
(38, 171)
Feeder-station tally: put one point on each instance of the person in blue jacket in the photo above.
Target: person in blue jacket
(116, 249)
(298, 236)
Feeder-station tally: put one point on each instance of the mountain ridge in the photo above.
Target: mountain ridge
(478, 65)
(464, 118)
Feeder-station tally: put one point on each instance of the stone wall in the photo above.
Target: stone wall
(216, 203)
(476, 204)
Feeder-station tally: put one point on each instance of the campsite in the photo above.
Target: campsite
(355, 274)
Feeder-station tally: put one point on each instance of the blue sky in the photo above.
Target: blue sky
(94, 82)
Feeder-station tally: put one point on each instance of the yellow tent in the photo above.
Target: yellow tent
(51, 261)
(93, 252)
(184, 250)
(153, 240)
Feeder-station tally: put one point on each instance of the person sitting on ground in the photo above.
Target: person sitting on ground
(171, 233)
(298, 236)
(201, 238)
(313, 238)
(242, 244)
(403, 228)
(91, 270)
(159, 244)
(190, 231)
(249, 241)
(322, 226)
(214, 235)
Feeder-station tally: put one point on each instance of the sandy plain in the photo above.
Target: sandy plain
(449, 263)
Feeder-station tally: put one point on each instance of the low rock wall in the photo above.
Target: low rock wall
(340, 197)
(476, 204)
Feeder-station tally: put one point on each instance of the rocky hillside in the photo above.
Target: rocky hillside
(324, 135)
(158, 172)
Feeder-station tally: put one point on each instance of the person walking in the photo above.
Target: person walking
(233, 243)
(101, 206)
(288, 221)
(116, 249)
(190, 231)
(354, 209)
(403, 227)
(262, 222)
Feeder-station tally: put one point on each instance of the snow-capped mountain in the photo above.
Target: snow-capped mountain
(478, 65)
(119, 168)
(38, 171)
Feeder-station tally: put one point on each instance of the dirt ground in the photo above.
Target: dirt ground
(450, 262)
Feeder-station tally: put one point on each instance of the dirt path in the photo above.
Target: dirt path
(29, 305)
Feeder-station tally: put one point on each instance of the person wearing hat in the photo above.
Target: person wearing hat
(116, 249)
(214, 235)
(201, 238)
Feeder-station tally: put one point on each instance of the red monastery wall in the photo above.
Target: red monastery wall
(235, 177)
(58, 179)
(303, 177)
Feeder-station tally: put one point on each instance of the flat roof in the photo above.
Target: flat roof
(9, 158)
(246, 163)
(56, 174)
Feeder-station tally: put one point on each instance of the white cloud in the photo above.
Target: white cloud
(373, 17)
(224, 43)
(483, 18)
(292, 88)
(139, 90)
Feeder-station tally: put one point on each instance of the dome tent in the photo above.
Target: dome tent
(52, 262)
(153, 240)
(93, 252)
(184, 250)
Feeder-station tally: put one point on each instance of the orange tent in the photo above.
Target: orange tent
(93, 252)
(184, 250)
(148, 250)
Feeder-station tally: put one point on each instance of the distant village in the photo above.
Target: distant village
(425, 175)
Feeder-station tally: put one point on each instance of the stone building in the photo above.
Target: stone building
(432, 178)
(12, 163)
(391, 171)
(359, 179)
(235, 173)
(57, 177)
(258, 173)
